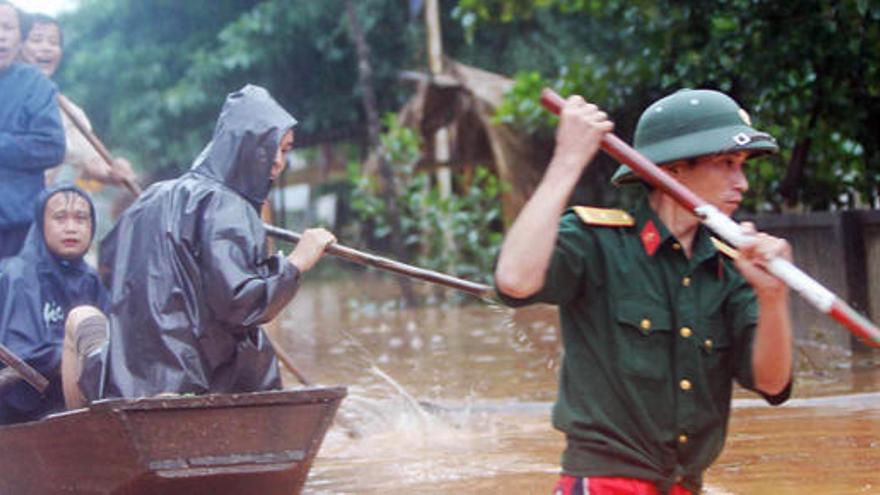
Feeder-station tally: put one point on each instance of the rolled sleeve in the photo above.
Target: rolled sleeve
(565, 275)
(742, 314)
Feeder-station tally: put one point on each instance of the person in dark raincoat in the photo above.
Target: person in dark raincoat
(38, 287)
(191, 279)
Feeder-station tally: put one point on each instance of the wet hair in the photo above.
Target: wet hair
(68, 190)
(69, 196)
(18, 14)
(28, 21)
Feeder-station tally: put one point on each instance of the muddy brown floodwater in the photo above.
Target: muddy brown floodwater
(456, 400)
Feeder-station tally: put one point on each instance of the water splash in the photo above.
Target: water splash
(410, 400)
(407, 412)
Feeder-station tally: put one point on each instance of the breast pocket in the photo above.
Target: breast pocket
(645, 339)
(716, 346)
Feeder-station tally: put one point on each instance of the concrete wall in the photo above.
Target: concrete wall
(841, 250)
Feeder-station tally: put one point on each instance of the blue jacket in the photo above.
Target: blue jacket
(31, 140)
(37, 290)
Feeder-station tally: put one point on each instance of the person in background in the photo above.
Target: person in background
(38, 288)
(658, 318)
(191, 279)
(43, 46)
(31, 134)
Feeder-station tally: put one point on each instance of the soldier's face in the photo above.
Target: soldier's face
(10, 36)
(281, 156)
(67, 225)
(718, 179)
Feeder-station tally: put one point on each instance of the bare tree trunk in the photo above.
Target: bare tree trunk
(365, 79)
(790, 185)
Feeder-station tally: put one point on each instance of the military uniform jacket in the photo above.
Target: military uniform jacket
(653, 341)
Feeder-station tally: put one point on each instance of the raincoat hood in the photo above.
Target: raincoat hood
(37, 291)
(35, 247)
(245, 142)
(190, 276)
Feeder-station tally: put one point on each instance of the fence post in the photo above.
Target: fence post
(849, 231)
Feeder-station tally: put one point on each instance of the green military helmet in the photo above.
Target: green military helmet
(691, 123)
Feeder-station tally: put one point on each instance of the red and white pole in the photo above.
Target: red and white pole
(815, 293)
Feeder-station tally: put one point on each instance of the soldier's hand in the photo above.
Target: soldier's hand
(310, 248)
(755, 255)
(581, 128)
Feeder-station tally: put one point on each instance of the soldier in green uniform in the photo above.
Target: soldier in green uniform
(658, 317)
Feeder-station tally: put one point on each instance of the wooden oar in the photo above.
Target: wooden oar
(815, 293)
(479, 290)
(136, 191)
(96, 143)
(23, 371)
(289, 236)
(350, 254)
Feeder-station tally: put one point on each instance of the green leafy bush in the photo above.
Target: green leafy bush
(459, 233)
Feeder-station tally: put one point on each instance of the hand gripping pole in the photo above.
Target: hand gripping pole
(815, 293)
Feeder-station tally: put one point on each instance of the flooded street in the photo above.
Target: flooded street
(456, 399)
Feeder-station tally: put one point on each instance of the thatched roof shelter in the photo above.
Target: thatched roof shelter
(463, 99)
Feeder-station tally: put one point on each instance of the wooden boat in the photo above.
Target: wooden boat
(257, 443)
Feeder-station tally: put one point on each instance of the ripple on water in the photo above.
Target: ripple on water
(487, 426)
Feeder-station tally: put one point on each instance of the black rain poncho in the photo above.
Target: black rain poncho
(37, 291)
(190, 277)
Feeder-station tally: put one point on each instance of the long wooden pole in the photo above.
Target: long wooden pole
(289, 236)
(96, 143)
(479, 290)
(285, 359)
(24, 370)
(811, 290)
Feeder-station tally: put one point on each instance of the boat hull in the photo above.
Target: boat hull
(214, 444)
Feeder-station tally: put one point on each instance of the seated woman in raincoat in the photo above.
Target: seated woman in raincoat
(38, 288)
(191, 278)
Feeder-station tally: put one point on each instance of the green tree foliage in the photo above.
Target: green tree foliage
(152, 74)
(457, 233)
(806, 69)
(122, 57)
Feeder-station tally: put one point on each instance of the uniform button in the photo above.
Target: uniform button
(686, 332)
(685, 384)
(686, 281)
(708, 344)
(646, 324)
(676, 246)
(682, 439)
